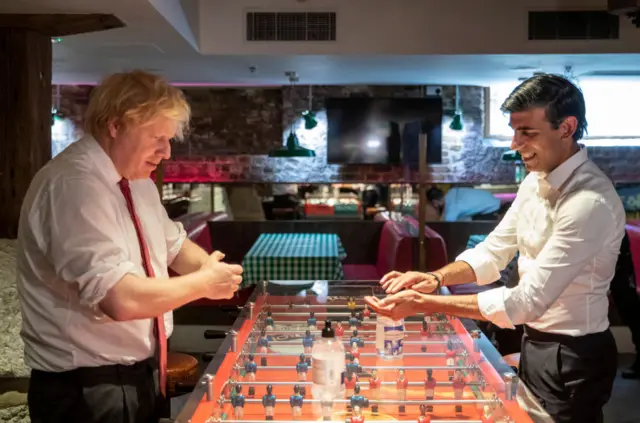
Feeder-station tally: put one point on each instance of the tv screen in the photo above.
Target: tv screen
(364, 130)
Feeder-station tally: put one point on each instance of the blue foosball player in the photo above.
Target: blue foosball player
(357, 400)
(263, 347)
(269, 403)
(352, 366)
(296, 400)
(307, 342)
(268, 321)
(354, 322)
(312, 321)
(250, 369)
(355, 338)
(237, 402)
(302, 368)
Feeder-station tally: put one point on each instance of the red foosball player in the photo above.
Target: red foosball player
(451, 358)
(366, 313)
(374, 390)
(339, 331)
(356, 416)
(350, 383)
(401, 386)
(423, 417)
(430, 387)
(458, 389)
(487, 416)
(424, 336)
(355, 352)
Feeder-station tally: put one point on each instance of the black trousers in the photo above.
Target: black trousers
(106, 394)
(623, 292)
(572, 377)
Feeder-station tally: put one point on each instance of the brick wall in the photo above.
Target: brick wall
(233, 130)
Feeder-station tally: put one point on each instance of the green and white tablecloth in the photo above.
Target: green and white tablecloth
(303, 257)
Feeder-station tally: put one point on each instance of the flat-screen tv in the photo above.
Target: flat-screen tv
(366, 130)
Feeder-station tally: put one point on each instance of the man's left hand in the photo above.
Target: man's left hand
(398, 306)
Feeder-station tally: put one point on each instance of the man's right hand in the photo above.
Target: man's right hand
(396, 281)
(224, 278)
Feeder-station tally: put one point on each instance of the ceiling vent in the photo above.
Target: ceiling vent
(573, 25)
(291, 26)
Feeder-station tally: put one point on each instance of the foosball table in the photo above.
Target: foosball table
(446, 369)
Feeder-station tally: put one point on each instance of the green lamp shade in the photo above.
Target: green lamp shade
(292, 149)
(456, 123)
(310, 121)
(512, 156)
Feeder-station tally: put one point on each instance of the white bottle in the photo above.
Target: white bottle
(389, 337)
(328, 367)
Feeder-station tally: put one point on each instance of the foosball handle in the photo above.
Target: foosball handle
(214, 334)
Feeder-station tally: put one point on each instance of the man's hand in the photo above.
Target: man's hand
(224, 278)
(394, 282)
(398, 306)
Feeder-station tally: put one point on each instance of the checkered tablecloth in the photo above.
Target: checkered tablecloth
(301, 257)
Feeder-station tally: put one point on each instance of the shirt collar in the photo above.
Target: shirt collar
(561, 174)
(102, 161)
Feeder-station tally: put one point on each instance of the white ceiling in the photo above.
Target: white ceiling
(151, 41)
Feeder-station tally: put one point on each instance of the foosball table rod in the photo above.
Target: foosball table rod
(367, 331)
(364, 386)
(452, 368)
(426, 354)
(342, 421)
(382, 402)
(346, 341)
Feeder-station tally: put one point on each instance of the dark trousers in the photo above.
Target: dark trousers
(572, 377)
(106, 394)
(624, 295)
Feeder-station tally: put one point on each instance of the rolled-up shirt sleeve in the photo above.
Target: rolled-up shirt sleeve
(175, 236)
(81, 223)
(578, 235)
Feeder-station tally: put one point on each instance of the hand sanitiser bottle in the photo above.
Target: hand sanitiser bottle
(328, 367)
(389, 337)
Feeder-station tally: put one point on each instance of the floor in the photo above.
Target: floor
(624, 406)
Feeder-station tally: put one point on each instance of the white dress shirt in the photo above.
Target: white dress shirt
(568, 228)
(76, 240)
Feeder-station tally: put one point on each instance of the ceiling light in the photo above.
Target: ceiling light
(292, 149)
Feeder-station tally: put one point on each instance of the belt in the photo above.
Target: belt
(536, 335)
(109, 374)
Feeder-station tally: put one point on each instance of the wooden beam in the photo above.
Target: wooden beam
(60, 25)
(25, 118)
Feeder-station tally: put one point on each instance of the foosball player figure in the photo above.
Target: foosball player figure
(366, 313)
(458, 389)
(423, 417)
(354, 322)
(429, 388)
(303, 391)
(326, 406)
(451, 358)
(339, 331)
(250, 369)
(355, 352)
(350, 381)
(269, 403)
(268, 321)
(356, 416)
(351, 303)
(357, 400)
(401, 386)
(296, 401)
(312, 321)
(237, 402)
(487, 415)
(424, 336)
(355, 338)
(263, 347)
(307, 342)
(302, 368)
(374, 390)
(352, 367)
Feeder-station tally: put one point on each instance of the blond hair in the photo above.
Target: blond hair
(135, 98)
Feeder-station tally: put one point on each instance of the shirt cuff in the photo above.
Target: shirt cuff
(486, 272)
(492, 307)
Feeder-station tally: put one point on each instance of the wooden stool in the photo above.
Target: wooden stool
(512, 360)
(181, 368)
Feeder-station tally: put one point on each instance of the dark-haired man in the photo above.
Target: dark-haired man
(567, 223)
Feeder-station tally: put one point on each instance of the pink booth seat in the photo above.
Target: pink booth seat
(435, 246)
(395, 252)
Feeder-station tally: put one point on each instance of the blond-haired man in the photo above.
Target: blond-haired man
(95, 244)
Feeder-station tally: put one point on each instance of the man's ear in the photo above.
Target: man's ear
(568, 127)
(112, 128)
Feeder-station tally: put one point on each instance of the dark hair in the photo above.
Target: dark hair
(434, 194)
(556, 94)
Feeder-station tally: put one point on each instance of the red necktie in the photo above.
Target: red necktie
(159, 329)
